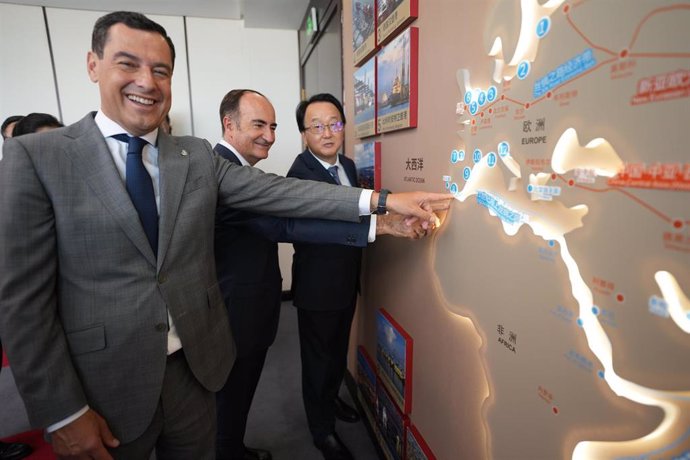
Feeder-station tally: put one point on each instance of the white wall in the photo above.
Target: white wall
(223, 54)
(26, 79)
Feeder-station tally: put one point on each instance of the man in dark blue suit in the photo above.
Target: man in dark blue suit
(247, 265)
(325, 280)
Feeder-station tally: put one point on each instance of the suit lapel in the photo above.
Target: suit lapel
(173, 162)
(317, 168)
(226, 153)
(92, 158)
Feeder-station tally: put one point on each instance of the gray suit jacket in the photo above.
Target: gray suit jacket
(84, 301)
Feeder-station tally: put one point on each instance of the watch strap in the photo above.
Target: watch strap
(381, 205)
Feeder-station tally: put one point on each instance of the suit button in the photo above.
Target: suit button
(162, 278)
(160, 327)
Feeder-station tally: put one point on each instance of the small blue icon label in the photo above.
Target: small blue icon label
(474, 107)
(523, 70)
(461, 155)
(491, 94)
(530, 188)
(503, 149)
(466, 173)
(477, 156)
(491, 159)
(453, 188)
(481, 98)
(468, 97)
(454, 156)
(543, 26)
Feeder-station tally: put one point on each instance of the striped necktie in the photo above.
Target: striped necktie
(334, 172)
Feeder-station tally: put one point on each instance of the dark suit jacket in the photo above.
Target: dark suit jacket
(247, 263)
(324, 277)
(83, 299)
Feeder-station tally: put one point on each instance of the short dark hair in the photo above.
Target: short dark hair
(8, 121)
(321, 97)
(230, 105)
(35, 121)
(132, 20)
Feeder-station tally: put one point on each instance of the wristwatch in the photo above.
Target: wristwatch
(381, 205)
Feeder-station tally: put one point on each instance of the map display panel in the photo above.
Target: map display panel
(574, 148)
(550, 311)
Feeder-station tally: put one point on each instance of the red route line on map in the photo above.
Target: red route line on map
(535, 101)
(596, 67)
(515, 101)
(589, 42)
(660, 55)
(639, 201)
(652, 13)
(605, 50)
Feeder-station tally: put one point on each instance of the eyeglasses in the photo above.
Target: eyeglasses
(318, 128)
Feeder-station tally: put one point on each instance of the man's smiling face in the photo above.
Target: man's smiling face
(134, 76)
(252, 132)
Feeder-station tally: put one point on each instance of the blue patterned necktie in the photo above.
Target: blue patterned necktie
(140, 188)
(334, 172)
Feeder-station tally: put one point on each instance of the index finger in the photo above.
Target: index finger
(437, 201)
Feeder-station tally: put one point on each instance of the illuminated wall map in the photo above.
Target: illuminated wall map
(567, 251)
(610, 217)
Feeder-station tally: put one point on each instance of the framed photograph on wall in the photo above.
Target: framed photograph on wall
(366, 384)
(368, 164)
(365, 99)
(415, 446)
(394, 359)
(392, 425)
(392, 16)
(396, 82)
(363, 29)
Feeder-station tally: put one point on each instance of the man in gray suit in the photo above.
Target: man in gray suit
(111, 312)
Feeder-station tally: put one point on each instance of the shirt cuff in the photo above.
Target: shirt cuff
(56, 426)
(372, 229)
(365, 203)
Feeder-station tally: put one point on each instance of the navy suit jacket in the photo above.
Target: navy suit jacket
(246, 252)
(324, 277)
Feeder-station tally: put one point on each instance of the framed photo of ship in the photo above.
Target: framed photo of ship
(366, 384)
(368, 164)
(415, 446)
(396, 82)
(394, 359)
(392, 425)
(392, 16)
(363, 29)
(365, 99)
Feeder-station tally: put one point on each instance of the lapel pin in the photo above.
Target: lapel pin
(184, 153)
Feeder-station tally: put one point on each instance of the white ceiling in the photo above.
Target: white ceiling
(272, 14)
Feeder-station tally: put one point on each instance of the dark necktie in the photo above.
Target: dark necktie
(334, 172)
(140, 188)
